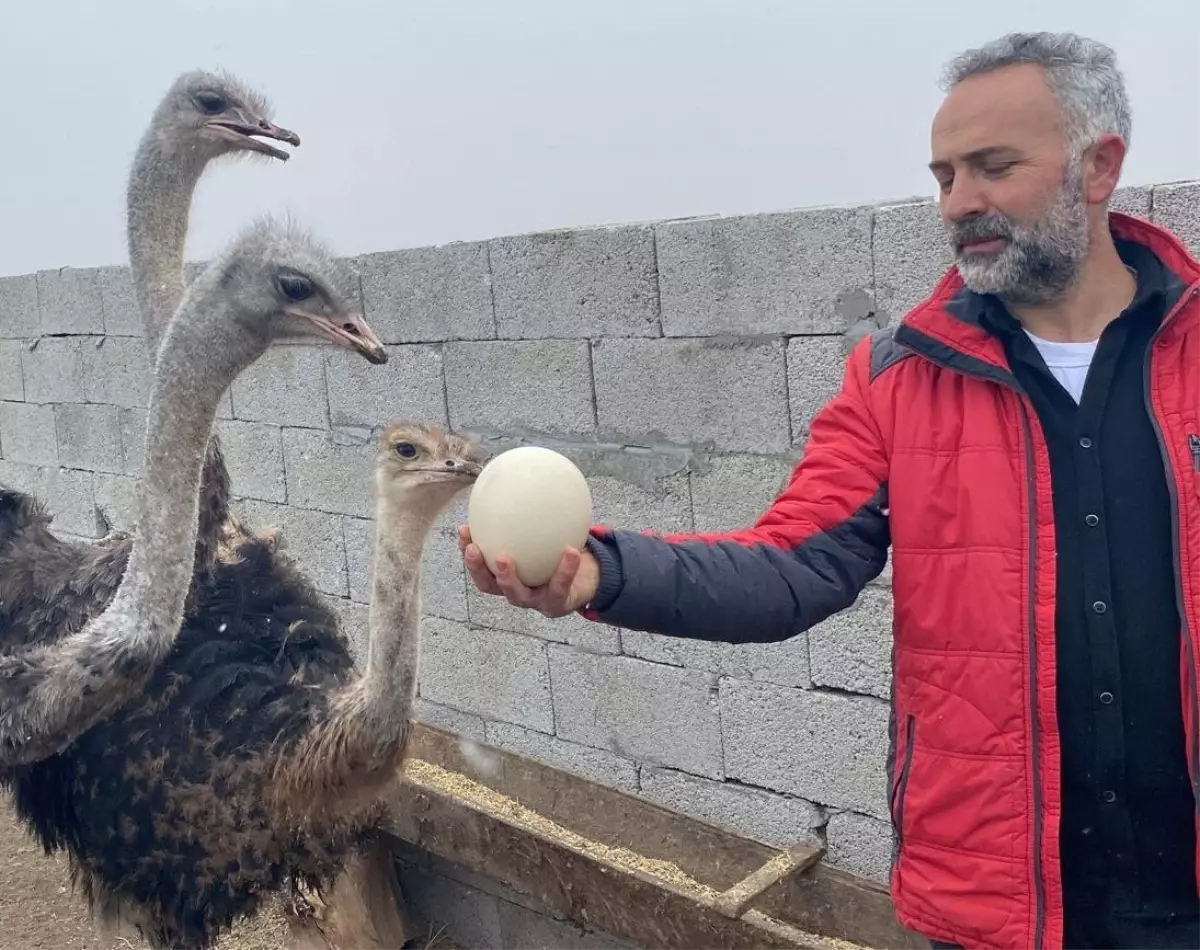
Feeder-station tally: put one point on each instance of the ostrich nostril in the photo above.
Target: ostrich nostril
(264, 125)
(450, 463)
(350, 328)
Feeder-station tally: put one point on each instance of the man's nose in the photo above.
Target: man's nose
(964, 200)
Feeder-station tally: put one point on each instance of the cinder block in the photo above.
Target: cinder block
(254, 457)
(805, 271)
(486, 672)
(859, 844)
(69, 496)
(911, 255)
(816, 366)
(18, 476)
(19, 318)
(1177, 208)
(852, 650)
(443, 578)
(731, 392)
(12, 389)
(587, 283)
(286, 386)
(52, 369)
(428, 294)
(665, 509)
(452, 720)
(785, 664)
(774, 819)
(408, 386)
(116, 371)
(133, 439)
(312, 538)
(659, 715)
(89, 437)
(116, 498)
(1132, 199)
(543, 386)
(530, 930)
(496, 613)
(610, 770)
(121, 314)
(69, 301)
(329, 473)
(27, 433)
(823, 747)
(736, 490)
(466, 916)
(356, 624)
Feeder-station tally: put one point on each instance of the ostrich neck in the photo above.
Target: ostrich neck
(182, 412)
(393, 653)
(159, 201)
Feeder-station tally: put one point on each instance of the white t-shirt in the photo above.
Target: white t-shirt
(1067, 362)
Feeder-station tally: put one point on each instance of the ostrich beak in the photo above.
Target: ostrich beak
(349, 330)
(242, 134)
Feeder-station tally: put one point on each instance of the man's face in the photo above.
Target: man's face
(1012, 201)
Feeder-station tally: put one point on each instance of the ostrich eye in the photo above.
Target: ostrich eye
(295, 288)
(406, 450)
(211, 103)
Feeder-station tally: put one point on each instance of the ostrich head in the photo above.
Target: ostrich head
(274, 282)
(424, 466)
(208, 115)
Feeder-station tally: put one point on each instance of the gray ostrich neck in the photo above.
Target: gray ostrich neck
(393, 653)
(161, 186)
(187, 391)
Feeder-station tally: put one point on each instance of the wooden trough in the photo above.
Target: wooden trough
(614, 862)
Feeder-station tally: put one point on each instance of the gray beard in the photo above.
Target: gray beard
(1040, 262)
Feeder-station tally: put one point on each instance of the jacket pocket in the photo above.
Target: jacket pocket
(901, 787)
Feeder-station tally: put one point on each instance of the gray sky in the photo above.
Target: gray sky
(424, 122)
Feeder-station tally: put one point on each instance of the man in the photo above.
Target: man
(1027, 440)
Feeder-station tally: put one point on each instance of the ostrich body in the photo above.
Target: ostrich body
(256, 757)
(57, 682)
(48, 584)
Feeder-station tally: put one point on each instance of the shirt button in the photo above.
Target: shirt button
(1106, 697)
(1099, 606)
(1092, 520)
(1109, 796)
(1086, 442)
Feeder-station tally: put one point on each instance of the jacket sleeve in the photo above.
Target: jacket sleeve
(809, 555)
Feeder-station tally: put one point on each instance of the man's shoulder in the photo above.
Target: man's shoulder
(885, 352)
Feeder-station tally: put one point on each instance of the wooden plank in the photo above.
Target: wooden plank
(572, 869)
(800, 857)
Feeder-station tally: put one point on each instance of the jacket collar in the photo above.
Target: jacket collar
(948, 326)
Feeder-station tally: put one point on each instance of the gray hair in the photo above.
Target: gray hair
(1081, 73)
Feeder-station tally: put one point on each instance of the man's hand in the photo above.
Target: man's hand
(573, 584)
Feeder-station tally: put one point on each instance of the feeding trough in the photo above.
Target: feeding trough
(614, 862)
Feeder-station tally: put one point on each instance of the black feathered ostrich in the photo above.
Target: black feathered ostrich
(49, 585)
(256, 756)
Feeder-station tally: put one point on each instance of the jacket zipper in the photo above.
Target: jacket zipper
(1031, 618)
(1177, 555)
(910, 725)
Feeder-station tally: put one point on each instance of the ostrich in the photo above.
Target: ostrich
(257, 755)
(57, 682)
(52, 584)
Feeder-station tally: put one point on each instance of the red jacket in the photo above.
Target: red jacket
(929, 447)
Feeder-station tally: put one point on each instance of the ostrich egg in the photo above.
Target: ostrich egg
(529, 504)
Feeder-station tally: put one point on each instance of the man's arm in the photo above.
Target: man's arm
(807, 557)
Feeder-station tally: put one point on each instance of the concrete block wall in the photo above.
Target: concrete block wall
(678, 362)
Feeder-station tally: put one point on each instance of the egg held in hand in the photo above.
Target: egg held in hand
(529, 504)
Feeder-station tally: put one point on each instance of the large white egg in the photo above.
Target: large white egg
(529, 504)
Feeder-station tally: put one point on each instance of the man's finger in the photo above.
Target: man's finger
(558, 588)
(477, 568)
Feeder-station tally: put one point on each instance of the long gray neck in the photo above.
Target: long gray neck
(393, 653)
(158, 203)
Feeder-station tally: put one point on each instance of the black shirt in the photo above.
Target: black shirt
(1128, 844)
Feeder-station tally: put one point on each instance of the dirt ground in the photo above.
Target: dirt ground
(38, 911)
